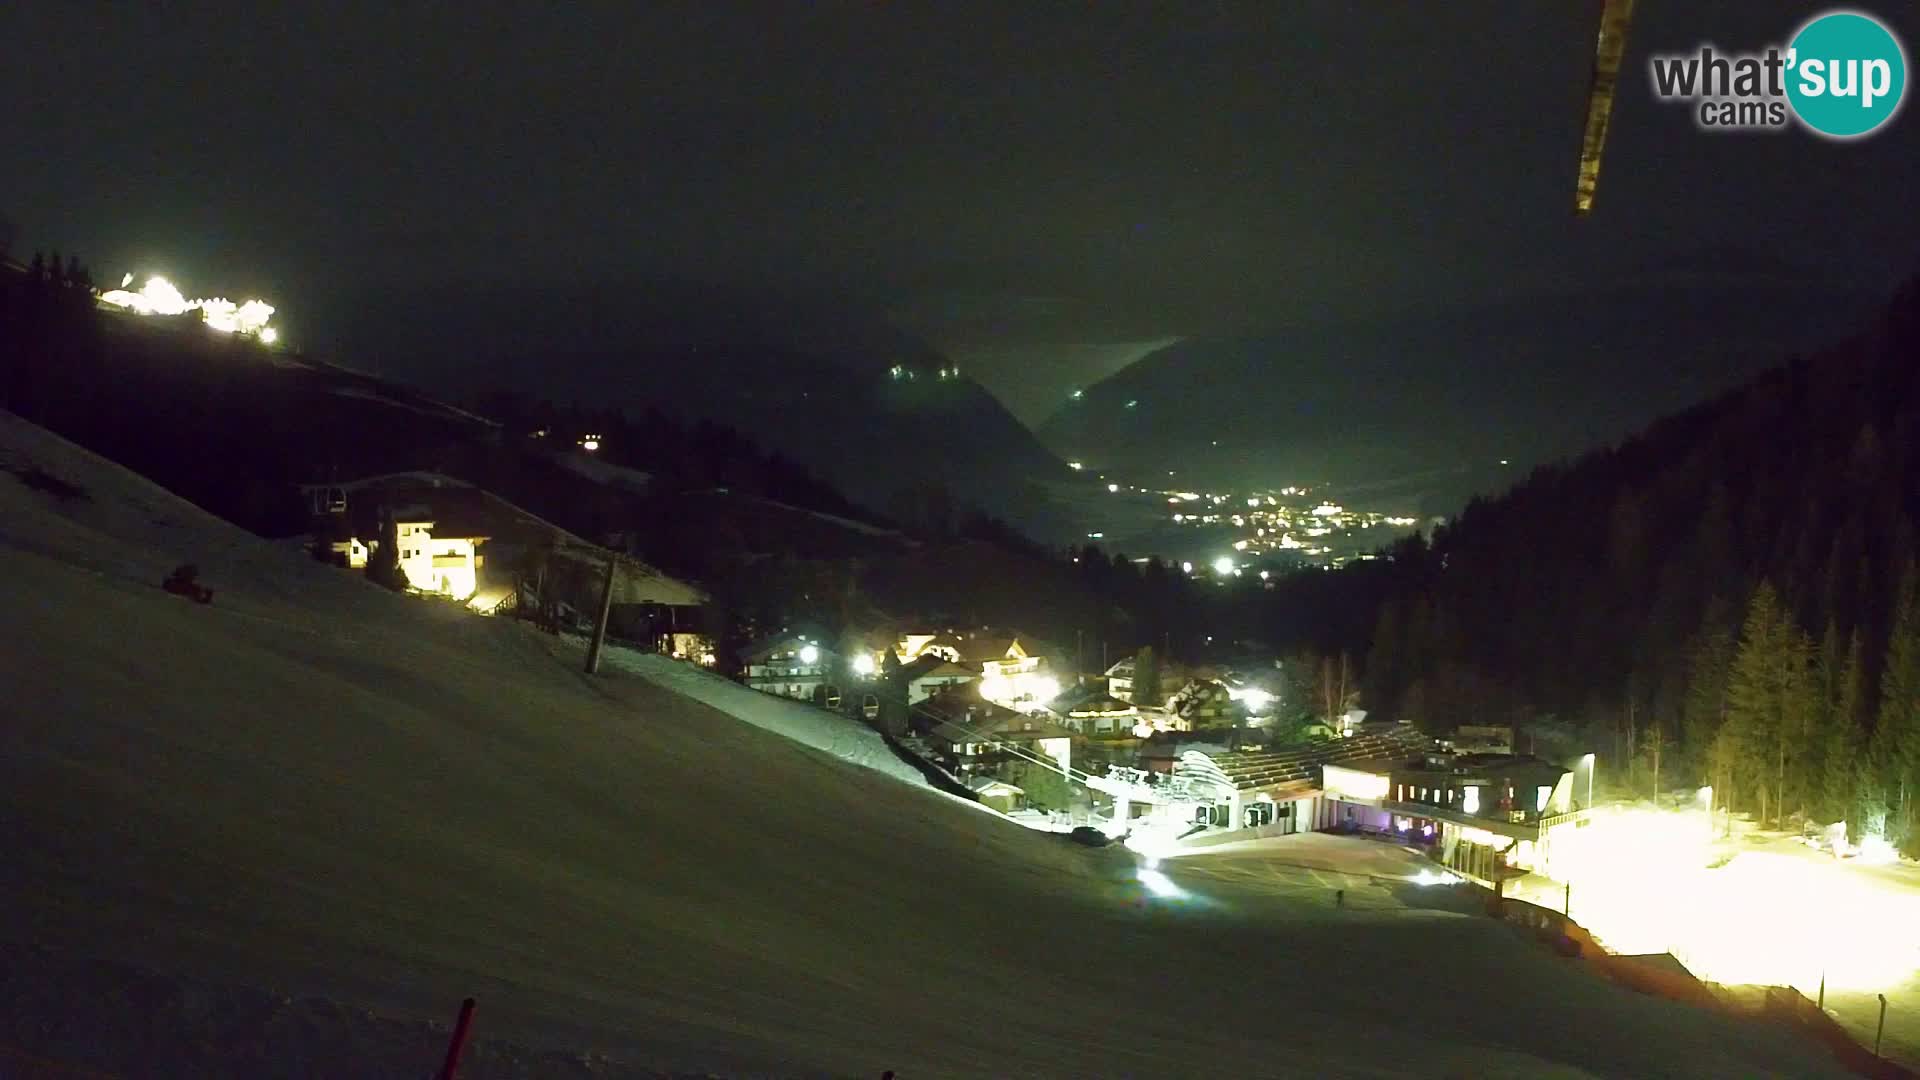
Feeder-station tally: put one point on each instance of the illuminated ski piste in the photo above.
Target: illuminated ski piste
(1772, 912)
(1753, 911)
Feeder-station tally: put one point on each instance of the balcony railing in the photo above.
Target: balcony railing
(1523, 824)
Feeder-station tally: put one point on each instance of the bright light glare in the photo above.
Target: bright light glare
(1253, 697)
(1155, 840)
(1875, 851)
(1223, 566)
(1643, 881)
(1159, 884)
(1113, 488)
(159, 297)
(269, 335)
(809, 654)
(863, 664)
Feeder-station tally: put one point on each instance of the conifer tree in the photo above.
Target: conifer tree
(891, 688)
(1768, 690)
(1704, 708)
(383, 563)
(1146, 677)
(1896, 736)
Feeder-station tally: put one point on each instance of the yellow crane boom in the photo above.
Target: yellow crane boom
(1611, 46)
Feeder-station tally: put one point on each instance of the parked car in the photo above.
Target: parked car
(1090, 836)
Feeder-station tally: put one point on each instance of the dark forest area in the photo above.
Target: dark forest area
(1733, 589)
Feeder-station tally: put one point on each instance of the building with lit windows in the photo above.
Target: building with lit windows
(1488, 816)
(794, 664)
(1097, 712)
(1014, 669)
(970, 735)
(916, 644)
(440, 524)
(933, 673)
(467, 544)
(1276, 791)
(437, 522)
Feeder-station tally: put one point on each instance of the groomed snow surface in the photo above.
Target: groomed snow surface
(326, 791)
(830, 733)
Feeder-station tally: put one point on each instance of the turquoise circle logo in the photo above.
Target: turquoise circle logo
(1847, 74)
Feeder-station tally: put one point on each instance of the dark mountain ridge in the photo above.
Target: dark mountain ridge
(1440, 399)
(875, 410)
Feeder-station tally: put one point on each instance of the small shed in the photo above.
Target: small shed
(998, 794)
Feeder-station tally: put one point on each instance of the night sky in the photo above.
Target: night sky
(1043, 190)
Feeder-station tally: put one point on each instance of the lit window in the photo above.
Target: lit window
(1470, 802)
(1543, 794)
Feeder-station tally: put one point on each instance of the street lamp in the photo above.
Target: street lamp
(1589, 761)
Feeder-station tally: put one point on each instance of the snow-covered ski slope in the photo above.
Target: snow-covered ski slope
(843, 738)
(320, 788)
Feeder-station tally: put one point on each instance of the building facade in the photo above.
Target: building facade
(1488, 816)
(794, 665)
(933, 674)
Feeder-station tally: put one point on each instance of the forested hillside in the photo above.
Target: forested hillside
(1732, 590)
(823, 381)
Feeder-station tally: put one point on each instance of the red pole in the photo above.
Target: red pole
(459, 1042)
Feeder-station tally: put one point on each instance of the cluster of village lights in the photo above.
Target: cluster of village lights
(160, 297)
